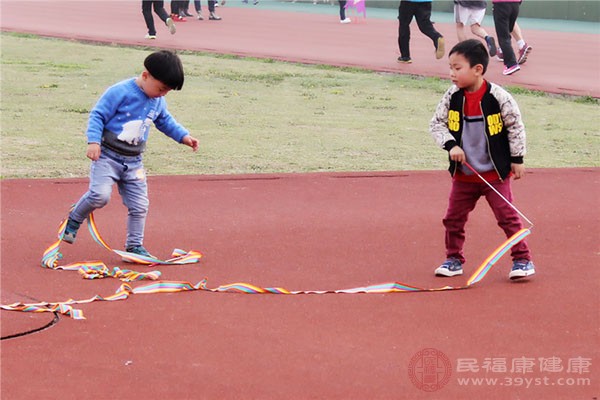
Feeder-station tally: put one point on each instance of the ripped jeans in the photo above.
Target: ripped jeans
(129, 175)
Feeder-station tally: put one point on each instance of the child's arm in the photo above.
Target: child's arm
(511, 118)
(167, 124)
(93, 151)
(102, 112)
(518, 170)
(513, 122)
(438, 127)
(457, 154)
(190, 141)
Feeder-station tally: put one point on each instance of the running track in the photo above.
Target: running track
(561, 62)
(313, 231)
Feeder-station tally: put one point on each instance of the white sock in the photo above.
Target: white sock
(521, 43)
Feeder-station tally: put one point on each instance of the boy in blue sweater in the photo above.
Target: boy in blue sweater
(480, 123)
(117, 133)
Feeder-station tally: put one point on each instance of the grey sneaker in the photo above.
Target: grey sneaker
(521, 269)
(171, 25)
(491, 45)
(139, 250)
(450, 267)
(71, 231)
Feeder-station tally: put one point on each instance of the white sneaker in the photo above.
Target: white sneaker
(345, 21)
(171, 25)
(149, 36)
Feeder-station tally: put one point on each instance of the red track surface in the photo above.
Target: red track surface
(315, 231)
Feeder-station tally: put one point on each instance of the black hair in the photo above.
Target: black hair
(474, 51)
(165, 66)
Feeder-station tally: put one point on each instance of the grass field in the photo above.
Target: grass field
(255, 116)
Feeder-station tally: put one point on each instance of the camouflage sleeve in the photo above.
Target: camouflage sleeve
(512, 120)
(438, 126)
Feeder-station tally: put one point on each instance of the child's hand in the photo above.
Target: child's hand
(518, 170)
(190, 141)
(93, 151)
(457, 154)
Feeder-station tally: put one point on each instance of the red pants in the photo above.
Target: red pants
(463, 198)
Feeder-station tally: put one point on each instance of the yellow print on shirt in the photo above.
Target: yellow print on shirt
(495, 124)
(453, 120)
(140, 174)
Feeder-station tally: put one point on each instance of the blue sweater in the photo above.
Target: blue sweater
(121, 119)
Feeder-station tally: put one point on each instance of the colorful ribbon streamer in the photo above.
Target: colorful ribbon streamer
(97, 269)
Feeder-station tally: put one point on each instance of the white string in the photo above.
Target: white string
(499, 194)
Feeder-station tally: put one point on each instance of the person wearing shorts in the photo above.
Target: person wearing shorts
(471, 13)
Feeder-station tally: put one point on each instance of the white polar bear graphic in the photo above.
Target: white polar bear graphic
(134, 131)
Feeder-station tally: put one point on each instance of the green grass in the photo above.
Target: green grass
(255, 116)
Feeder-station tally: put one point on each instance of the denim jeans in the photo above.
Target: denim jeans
(129, 175)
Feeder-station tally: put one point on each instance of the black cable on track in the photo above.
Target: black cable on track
(41, 328)
(48, 325)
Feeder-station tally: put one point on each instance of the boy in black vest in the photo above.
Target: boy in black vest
(479, 123)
